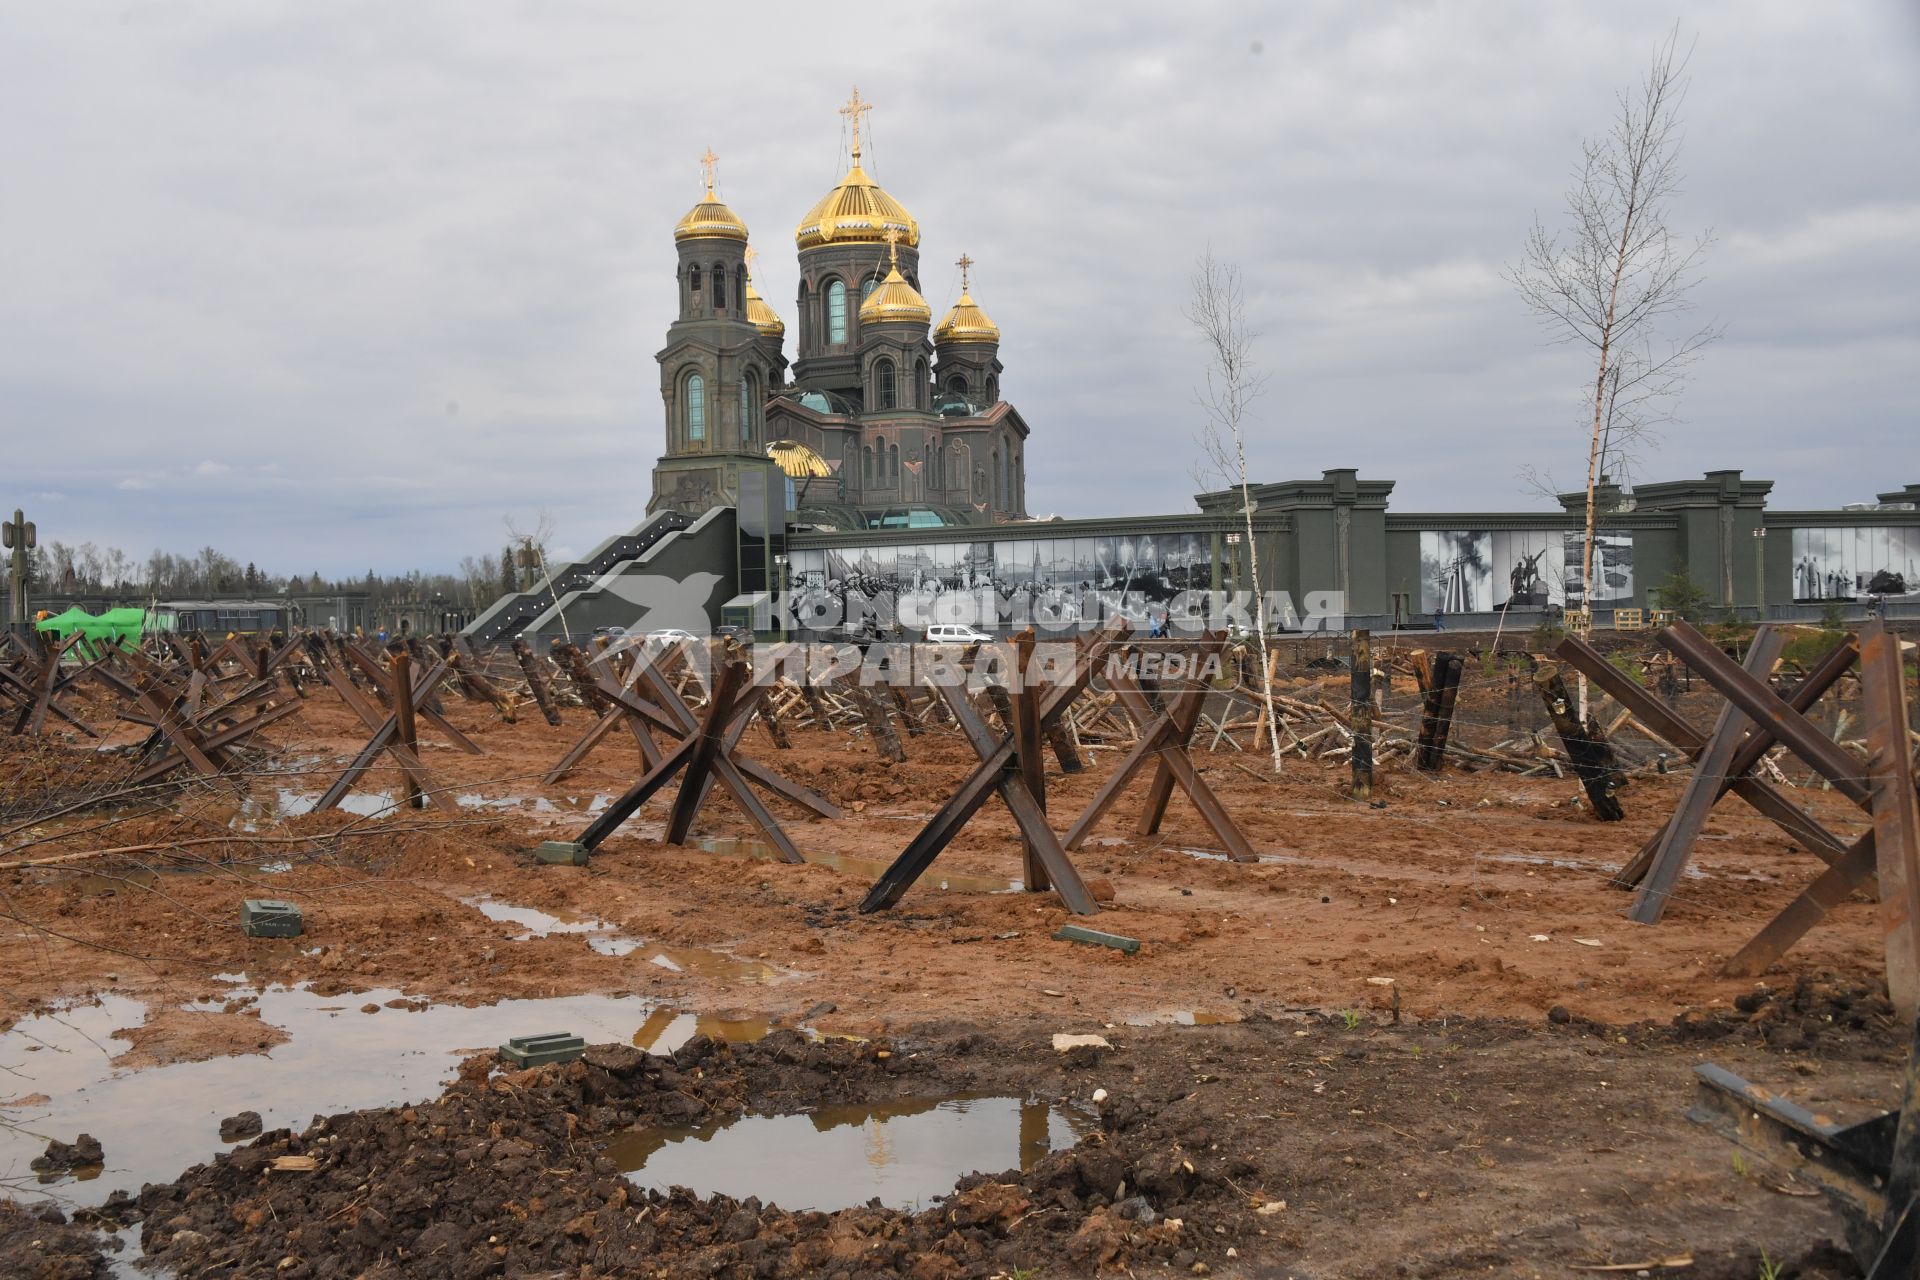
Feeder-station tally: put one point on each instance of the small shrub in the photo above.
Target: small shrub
(1686, 597)
(1808, 647)
(1629, 666)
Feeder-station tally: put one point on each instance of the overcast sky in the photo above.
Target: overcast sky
(339, 285)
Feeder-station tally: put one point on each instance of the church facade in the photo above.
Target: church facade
(899, 422)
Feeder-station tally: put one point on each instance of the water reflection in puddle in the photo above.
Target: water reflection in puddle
(667, 1029)
(863, 868)
(154, 1123)
(605, 938)
(361, 804)
(288, 803)
(1220, 855)
(1578, 864)
(907, 1152)
(538, 924)
(1184, 1018)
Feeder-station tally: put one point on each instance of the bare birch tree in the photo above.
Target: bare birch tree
(534, 544)
(1233, 382)
(1620, 271)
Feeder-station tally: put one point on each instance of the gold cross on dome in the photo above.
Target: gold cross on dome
(892, 237)
(708, 163)
(966, 265)
(854, 109)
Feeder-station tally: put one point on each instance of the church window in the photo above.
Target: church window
(957, 384)
(884, 372)
(696, 408)
(920, 384)
(866, 466)
(893, 465)
(746, 412)
(836, 312)
(866, 290)
(993, 390)
(719, 287)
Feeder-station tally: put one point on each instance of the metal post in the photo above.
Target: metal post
(1024, 725)
(407, 731)
(19, 538)
(1361, 695)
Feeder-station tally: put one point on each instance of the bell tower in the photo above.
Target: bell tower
(716, 368)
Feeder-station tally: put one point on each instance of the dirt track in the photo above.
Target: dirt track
(1436, 902)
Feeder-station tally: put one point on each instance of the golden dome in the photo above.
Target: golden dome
(760, 313)
(710, 219)
(967, 323)
(895, 301)
(857, 211)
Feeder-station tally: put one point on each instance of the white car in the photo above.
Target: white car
(667, 637)
(956, 633)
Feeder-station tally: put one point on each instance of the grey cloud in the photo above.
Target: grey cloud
(292, 236)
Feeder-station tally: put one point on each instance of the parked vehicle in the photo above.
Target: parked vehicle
(956, 633)
(666, 638)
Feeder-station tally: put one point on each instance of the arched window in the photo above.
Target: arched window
(746, 411)
(696, 409)
(893, 465)
(837, 312)
(883, 373)
(693, 288)
(957, 384)
(993, 390)
(920, 384)
(719, 286)
(866, 289)
(999, 481)
(866, 466)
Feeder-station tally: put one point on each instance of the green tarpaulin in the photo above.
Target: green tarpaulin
(125, 625)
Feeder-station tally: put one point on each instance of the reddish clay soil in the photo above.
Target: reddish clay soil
(1468, 906)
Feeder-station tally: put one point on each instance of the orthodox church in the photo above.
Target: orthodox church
(879, 425)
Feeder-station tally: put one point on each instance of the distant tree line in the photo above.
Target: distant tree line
(88, 569)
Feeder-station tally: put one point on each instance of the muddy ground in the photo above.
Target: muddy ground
(1524, 1116)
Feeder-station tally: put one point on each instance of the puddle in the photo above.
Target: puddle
(668, 1029)
(709, 964)
(537, 806)
(868, 869)
(1184, 1018)
(1220, 855)
(538, 924)
(606, 939)
(1578, 864)
(361, 804)
(156, 1122)
(907, 1152)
